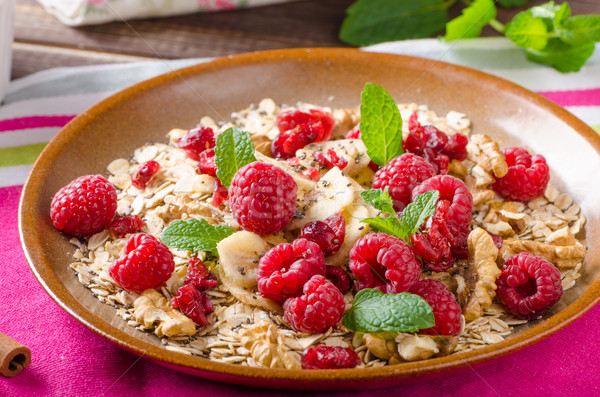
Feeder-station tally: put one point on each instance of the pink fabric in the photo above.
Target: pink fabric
(70, 360)
(23, 123)
(574, 97)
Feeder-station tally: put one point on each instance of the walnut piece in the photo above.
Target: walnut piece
(385, 349)
(416, 347)
(410, 347)
(481, 274)
(562, 256)
(489, 157)
(153, 311)
(267, 346)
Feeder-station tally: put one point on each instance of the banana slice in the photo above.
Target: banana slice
(238, 257)
(355, 229)
(305, 185)
(353, 151)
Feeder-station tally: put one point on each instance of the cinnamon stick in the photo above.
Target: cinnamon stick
(14, 357)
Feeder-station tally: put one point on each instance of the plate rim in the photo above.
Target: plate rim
(231, 372)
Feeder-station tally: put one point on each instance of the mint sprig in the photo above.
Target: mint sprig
(413, 216)
(374, 311)
(472, 20)
(195, 235)
(234, 149)
(380, 124)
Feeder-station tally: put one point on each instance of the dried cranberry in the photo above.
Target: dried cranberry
(220, 195)
(354, 133)
(330, 357)
(197, 140)
(288, 142)
(142, 175)
(193, 303)
(206, 163)
(338, 277)
(330, 159)
(312, 173)
(291, 118)
(329, 234)
(123, 225)
(199, 276)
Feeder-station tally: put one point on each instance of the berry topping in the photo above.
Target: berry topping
(220, 195)
(401, 175)
(206, 163)
(291, 118)
(199, 276)
(446, 310)
(330, 159)
(329, 357)
(197, 140)
(193, 303)
(285, 268)
(320, 308)
(124, 225)
(354, 133)
(85, 206)
(142, 175)
(338, 277)
(146, 263)
(288, 142)
(262, 198)
(527, 175)
(453, 190)
(384, 262)
(312, 173)
(529, 285)
(328, 234)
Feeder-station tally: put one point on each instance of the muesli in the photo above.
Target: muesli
(308, 237)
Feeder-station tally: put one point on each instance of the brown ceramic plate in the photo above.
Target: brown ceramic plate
(335, 77)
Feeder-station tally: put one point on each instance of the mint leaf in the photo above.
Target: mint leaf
(472, 20)
(374, 311)
(380, 124)
(374, 21)
(380, 199)
(195, 235)
(234, 149)
(561, 56)
(511, 3)
(580, 29)
(415, 213)
(387, 225)
(527, 31)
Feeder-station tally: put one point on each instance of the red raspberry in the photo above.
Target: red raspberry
(146, 263)
(527, 175)
(206, 163)
(199, 276)
(85, 206)
(197, 140)
(339, 278)
(384, 262)
(453, 190)
(288, 142)
(446, 310)
(262, 198)
(123, 225)
(291, 118)
(329, 357)
(193, 303)
(320, 308)
(401, 175)
(354, 133)
(330, 159)
(220, 195)
(284, 269)
(329, 234)
(457, 147)
(529, 285)
(144, 173)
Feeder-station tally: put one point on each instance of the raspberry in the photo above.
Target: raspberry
(330, 160)
(453, 190)
(193, 303)
(144, 173)
(284, 269)
(206, 163)
(339, 278)
(529, 285)
(527, 175)
(199, 276)
(329, 234)
(197, 140)
(262, 198)
(123, 225)
(85, 206)
(146, 263)
(329, 357)
(354, 133)
(320, 308)
(288, 142)
(401, 175)
(384, 262)
(446, 310)
(291, 118)
(220, 195)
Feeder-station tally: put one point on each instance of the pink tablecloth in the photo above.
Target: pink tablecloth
(70, 360)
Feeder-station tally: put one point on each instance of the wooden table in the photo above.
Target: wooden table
(42, 42)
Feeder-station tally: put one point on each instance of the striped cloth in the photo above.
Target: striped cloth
(70, 360)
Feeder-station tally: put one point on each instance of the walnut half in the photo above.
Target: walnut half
(267, 346)
(152, 310)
